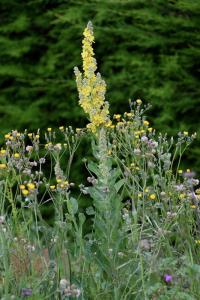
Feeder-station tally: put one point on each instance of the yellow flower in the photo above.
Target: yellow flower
(185, 133)
(31, 186)
(30, 135)
(182, 196)
(150, 129)
(197, 241)
(7, 136)
(198, 191)
(152, 196)
(16, 155)
(52, 187)
(59, 180)
(139, 101)
(188, 170)
(25, 192)
(180, 171)
(129, 115)
(49, 129)
(47, 145)
(146, 123)
(193, 206)
(3, 166)
(3, 151)
(22, 187)
(61, 128)
(140, 195)
(37, 136)
(117, 116)
(91, 87)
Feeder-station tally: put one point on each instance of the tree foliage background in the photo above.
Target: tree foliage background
(144, 49)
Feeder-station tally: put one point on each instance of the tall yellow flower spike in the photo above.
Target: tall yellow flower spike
(91, 87)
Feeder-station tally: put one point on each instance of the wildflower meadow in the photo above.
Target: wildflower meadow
(139, 239)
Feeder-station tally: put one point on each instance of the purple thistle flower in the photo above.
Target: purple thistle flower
(179, 187)
(189, 174)
(168, 278)
(26, 292)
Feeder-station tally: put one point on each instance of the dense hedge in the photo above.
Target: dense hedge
(147, 49)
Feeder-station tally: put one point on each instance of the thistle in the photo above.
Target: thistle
(91, 86)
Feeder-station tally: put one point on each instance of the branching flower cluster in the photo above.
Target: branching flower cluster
(91, 86)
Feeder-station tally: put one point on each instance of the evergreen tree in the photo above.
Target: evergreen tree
(146, 49)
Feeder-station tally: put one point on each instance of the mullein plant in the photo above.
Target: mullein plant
(91, 86)
(104, 190)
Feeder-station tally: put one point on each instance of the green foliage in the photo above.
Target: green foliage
(141, 225)
(147, 49)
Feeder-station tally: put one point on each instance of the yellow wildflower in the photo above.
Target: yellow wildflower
(117, 116)
(25, 192)
(22, 187)
(198, 191)
(2, 152)
(185, 133)
(129, 115)
(139, 101)
(31, 186)
(193, 206)
(16, 155)
(3, 166)
(52, 187)
(180, 171)
(61, 128)
(7, 136)
(91, 86)
(49, 129)
(152, 196)
(146, 123)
